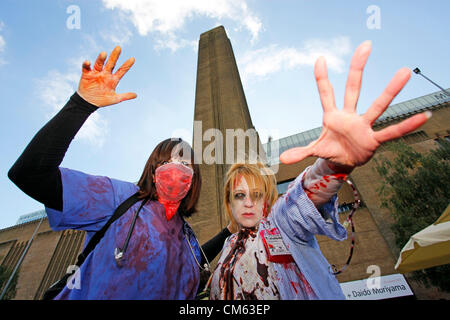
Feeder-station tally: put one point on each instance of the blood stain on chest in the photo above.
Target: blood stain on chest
(263, 271)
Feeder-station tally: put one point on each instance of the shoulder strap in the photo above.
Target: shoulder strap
(120, 210)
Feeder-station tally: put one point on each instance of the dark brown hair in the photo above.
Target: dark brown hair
(163, 152)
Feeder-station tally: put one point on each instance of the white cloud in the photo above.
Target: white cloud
(55, 89)
(166, 18)
(119, 37)
(260, 63)
(2, 44)
(173, 43)
(118, 32)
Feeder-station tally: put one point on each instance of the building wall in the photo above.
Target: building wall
(367, 179)
(46, 259)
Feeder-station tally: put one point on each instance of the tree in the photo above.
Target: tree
(4, 277)
(414, 187)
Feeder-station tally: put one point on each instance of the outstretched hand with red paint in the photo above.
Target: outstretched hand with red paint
(98, 85)
(347, 139)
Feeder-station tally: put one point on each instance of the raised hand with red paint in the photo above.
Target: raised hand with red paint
(98, 85)
(347, 139)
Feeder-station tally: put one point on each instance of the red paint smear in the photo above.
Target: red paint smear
(311, 196)
(170, 207)
(169, 182)
(340, 176)
(98, 185)
(293, 286)
(262, 270)
(230, 261)
(172, 184)
(306, 285)
(265, 209)
(280, 258)
(237, 181)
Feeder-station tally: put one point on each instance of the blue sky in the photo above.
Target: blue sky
(43, 43)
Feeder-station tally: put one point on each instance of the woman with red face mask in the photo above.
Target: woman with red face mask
(149, 252)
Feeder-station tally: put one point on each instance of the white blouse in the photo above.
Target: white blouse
(253, 277)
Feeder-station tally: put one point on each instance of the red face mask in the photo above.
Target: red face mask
(172, 181)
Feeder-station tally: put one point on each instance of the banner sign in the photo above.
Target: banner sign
(377, 288)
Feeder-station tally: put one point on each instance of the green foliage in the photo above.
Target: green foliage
(4, 277)
(414, 187)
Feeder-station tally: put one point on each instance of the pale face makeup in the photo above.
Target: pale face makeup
(185, 162)
(246, 204)
(185, 159)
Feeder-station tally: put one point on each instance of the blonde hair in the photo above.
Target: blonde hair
(256, 175)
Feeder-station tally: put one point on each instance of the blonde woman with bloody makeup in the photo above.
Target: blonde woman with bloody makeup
(275, 255)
